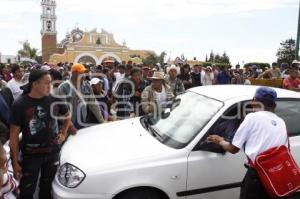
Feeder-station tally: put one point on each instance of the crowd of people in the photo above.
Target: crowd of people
(57, 100)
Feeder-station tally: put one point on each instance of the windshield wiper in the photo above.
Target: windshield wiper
(147, 123)
(155, 133)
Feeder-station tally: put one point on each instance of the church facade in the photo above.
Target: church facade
(82, 46)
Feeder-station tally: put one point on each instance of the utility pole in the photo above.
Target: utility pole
(298, 36)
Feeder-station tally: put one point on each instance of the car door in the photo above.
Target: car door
(289, 111)
(213, 174)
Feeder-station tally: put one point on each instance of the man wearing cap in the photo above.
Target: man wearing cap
(173, 81)
(260, 131)
(156, 96)
(295, 63)
(35, 113)
(97, 85)
(79, 95)
(45, 67)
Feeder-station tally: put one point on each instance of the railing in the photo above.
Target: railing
(267, 82)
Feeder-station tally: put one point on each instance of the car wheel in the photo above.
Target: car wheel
(142, 194)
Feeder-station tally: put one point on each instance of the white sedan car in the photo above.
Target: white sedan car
(143, 158)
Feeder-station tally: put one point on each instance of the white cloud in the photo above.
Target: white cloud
(245, 55)
(171, 9)
(129, 17)
(16, 8)
(12, 25)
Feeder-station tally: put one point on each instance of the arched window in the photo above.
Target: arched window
(87, 60)
(49, 25)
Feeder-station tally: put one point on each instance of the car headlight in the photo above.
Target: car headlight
(70, 176)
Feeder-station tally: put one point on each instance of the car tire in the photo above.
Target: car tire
(142, 194)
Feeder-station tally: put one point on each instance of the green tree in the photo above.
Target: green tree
(27, 51)
(154, 59)
(225, 59)
(217, 58)
(286, 53)
(211, 57)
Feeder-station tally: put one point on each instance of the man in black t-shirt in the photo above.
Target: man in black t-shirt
(35, 114)
(196, 76)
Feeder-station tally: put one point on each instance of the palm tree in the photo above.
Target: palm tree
(27, 51)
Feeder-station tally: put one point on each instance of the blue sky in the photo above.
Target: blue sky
(248, 30)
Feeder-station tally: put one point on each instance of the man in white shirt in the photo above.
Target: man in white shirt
(16, 82)
(260, 131)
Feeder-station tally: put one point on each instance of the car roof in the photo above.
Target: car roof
(228, 92)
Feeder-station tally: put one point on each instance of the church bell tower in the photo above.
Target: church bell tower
(48, 31)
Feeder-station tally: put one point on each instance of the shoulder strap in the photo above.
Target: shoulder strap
(288, 140)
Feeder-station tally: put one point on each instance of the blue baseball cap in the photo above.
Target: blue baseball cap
(265, 94)
(254, 66)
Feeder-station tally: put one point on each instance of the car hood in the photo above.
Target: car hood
(112, 145)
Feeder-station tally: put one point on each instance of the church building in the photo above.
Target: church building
(82, 46)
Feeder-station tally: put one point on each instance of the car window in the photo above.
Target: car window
(226, 126)
(289, 111)
(187, 119)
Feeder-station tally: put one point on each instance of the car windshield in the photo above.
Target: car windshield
(189, 113)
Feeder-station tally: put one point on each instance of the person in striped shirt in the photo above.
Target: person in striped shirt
(9, 185)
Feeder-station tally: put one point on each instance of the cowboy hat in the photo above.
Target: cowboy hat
(158, 75)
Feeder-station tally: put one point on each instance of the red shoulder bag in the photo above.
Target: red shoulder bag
(278, 171)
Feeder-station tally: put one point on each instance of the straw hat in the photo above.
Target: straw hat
(158, 75)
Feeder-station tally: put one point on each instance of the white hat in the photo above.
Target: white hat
(45, 67)
(296, 62)
(95, 81)
(173, 67)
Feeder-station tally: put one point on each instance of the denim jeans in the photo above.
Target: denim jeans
(31, 167)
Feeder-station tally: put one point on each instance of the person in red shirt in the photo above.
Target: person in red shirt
(292, 82)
